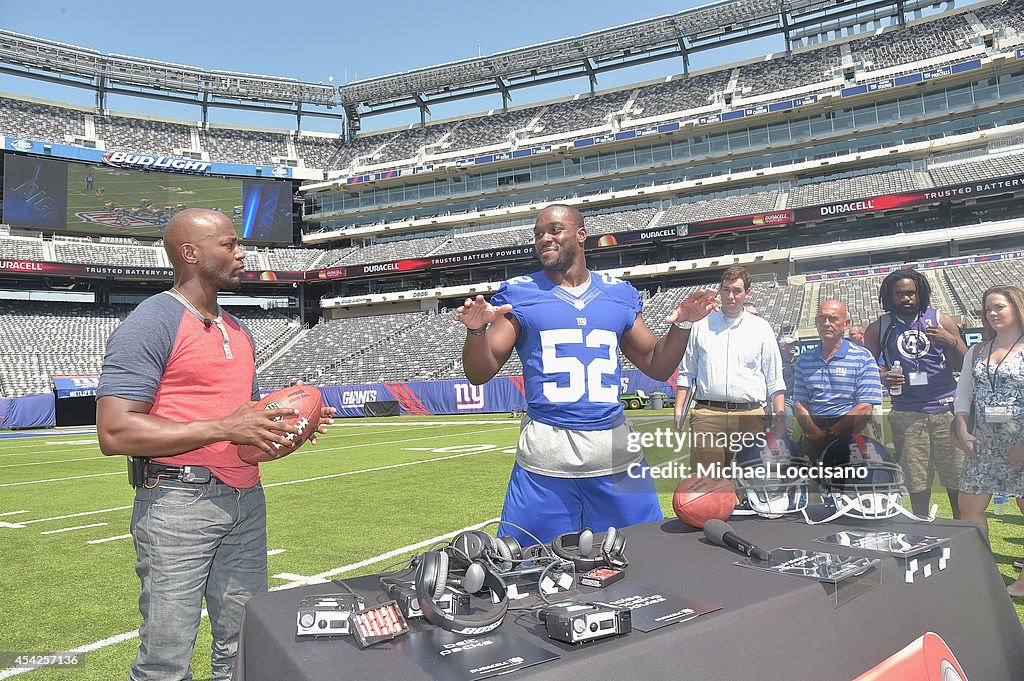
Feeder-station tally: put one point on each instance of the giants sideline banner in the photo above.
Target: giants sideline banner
(501, 394)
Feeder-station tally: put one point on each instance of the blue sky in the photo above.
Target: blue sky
(316, 39)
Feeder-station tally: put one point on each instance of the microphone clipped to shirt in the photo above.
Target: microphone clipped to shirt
(207, 322)
(720, 532)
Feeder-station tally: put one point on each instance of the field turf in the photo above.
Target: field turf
(365, 497)
(128, 189)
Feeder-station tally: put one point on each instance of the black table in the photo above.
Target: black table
(770, 626)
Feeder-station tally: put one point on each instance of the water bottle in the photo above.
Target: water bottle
(999, 504)
(896, 368)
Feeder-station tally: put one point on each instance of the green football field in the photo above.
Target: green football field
(129, 188)
(371, 492)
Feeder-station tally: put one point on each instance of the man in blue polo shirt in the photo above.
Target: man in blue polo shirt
(836, 387)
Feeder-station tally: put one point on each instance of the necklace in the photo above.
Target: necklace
(217, 321)
(188, 303)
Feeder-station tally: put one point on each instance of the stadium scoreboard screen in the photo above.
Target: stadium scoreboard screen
(98, 199)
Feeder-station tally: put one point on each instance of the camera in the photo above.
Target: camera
(577, 623)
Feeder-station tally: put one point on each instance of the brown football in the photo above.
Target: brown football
(307, 400)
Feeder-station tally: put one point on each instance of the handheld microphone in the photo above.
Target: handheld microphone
(720, 532)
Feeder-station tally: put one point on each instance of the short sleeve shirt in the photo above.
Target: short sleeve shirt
(164, 355)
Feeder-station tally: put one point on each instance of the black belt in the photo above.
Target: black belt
(731, 406)
(193, 475)
(826, 422)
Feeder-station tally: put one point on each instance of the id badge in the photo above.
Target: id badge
(997, 415)
(917, 378)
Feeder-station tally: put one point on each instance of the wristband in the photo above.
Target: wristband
(477, 332)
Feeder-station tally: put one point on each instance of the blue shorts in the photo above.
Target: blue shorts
(548, 506)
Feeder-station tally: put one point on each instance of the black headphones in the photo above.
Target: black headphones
(577, 547)
(502, 552)
(432, 578)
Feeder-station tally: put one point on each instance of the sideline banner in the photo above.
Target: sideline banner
(502, 394)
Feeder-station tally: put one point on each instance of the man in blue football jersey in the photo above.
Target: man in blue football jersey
(568, 325)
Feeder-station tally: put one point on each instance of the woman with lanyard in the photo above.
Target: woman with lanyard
(994, 380)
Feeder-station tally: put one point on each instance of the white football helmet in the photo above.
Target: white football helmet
(772, 477)
(860, 479)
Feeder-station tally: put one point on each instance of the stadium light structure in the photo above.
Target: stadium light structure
(673, 35)
(53, 61)
(676, 35)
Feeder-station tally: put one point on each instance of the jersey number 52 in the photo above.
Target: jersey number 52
(583, 379)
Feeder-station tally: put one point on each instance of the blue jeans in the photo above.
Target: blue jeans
(194, 541)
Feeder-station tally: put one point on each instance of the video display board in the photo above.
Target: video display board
(84, 198)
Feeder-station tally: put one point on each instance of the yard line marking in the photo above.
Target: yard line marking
(43, 463)
(397, 424)
(291, 577)
(319, 450)
(51, 451)
(33, 447)
(370, 424)
(274, 552)
(64, 517)
(325, 576)
(22, 524)
(120, 638)
(371, 470)
(73, 477)
(322, 577)
(12, 513)
(106, 539)
(272, 484)
(37, 441)
(69, 529)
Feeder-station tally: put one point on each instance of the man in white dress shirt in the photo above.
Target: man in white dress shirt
(733, 366)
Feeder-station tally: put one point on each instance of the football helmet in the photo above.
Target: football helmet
(772, 476)
(860, 479)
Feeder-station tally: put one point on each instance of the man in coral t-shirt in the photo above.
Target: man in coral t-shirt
(175, 394)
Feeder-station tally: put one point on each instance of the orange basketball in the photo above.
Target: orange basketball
(698, 500)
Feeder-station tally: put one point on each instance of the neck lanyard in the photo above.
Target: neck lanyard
(993, 377)
(921, 333)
